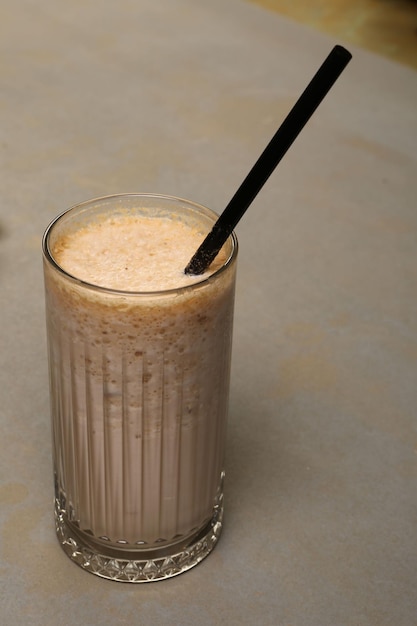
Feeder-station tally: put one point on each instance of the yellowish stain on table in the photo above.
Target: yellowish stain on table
(386, 27)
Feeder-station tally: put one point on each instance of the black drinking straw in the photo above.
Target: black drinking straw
(295, 121)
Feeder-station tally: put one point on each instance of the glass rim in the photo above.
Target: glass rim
(48, 256)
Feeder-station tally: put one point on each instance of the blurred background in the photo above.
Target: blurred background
(387, 27)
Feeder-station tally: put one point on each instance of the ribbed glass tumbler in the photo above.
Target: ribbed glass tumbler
(139, 385)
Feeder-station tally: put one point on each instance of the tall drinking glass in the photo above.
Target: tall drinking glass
(139, 385)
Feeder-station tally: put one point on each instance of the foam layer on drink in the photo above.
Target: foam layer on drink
(139, 382)
(132, 253)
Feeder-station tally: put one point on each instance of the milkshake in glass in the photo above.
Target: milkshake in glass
(139, 362)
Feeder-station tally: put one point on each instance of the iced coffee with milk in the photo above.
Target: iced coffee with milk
(139, 361)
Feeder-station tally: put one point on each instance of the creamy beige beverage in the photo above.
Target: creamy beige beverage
(139, 365)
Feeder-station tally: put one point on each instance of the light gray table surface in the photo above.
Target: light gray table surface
(180, 97)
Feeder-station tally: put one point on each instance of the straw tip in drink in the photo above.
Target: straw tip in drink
(197, 265)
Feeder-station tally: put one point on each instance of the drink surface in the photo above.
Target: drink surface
(132, 253)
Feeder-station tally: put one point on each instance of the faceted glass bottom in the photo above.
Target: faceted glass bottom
(139, 566)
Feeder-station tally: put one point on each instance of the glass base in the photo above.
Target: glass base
(139, 566)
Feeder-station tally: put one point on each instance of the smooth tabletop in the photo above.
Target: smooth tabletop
(180, 97)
